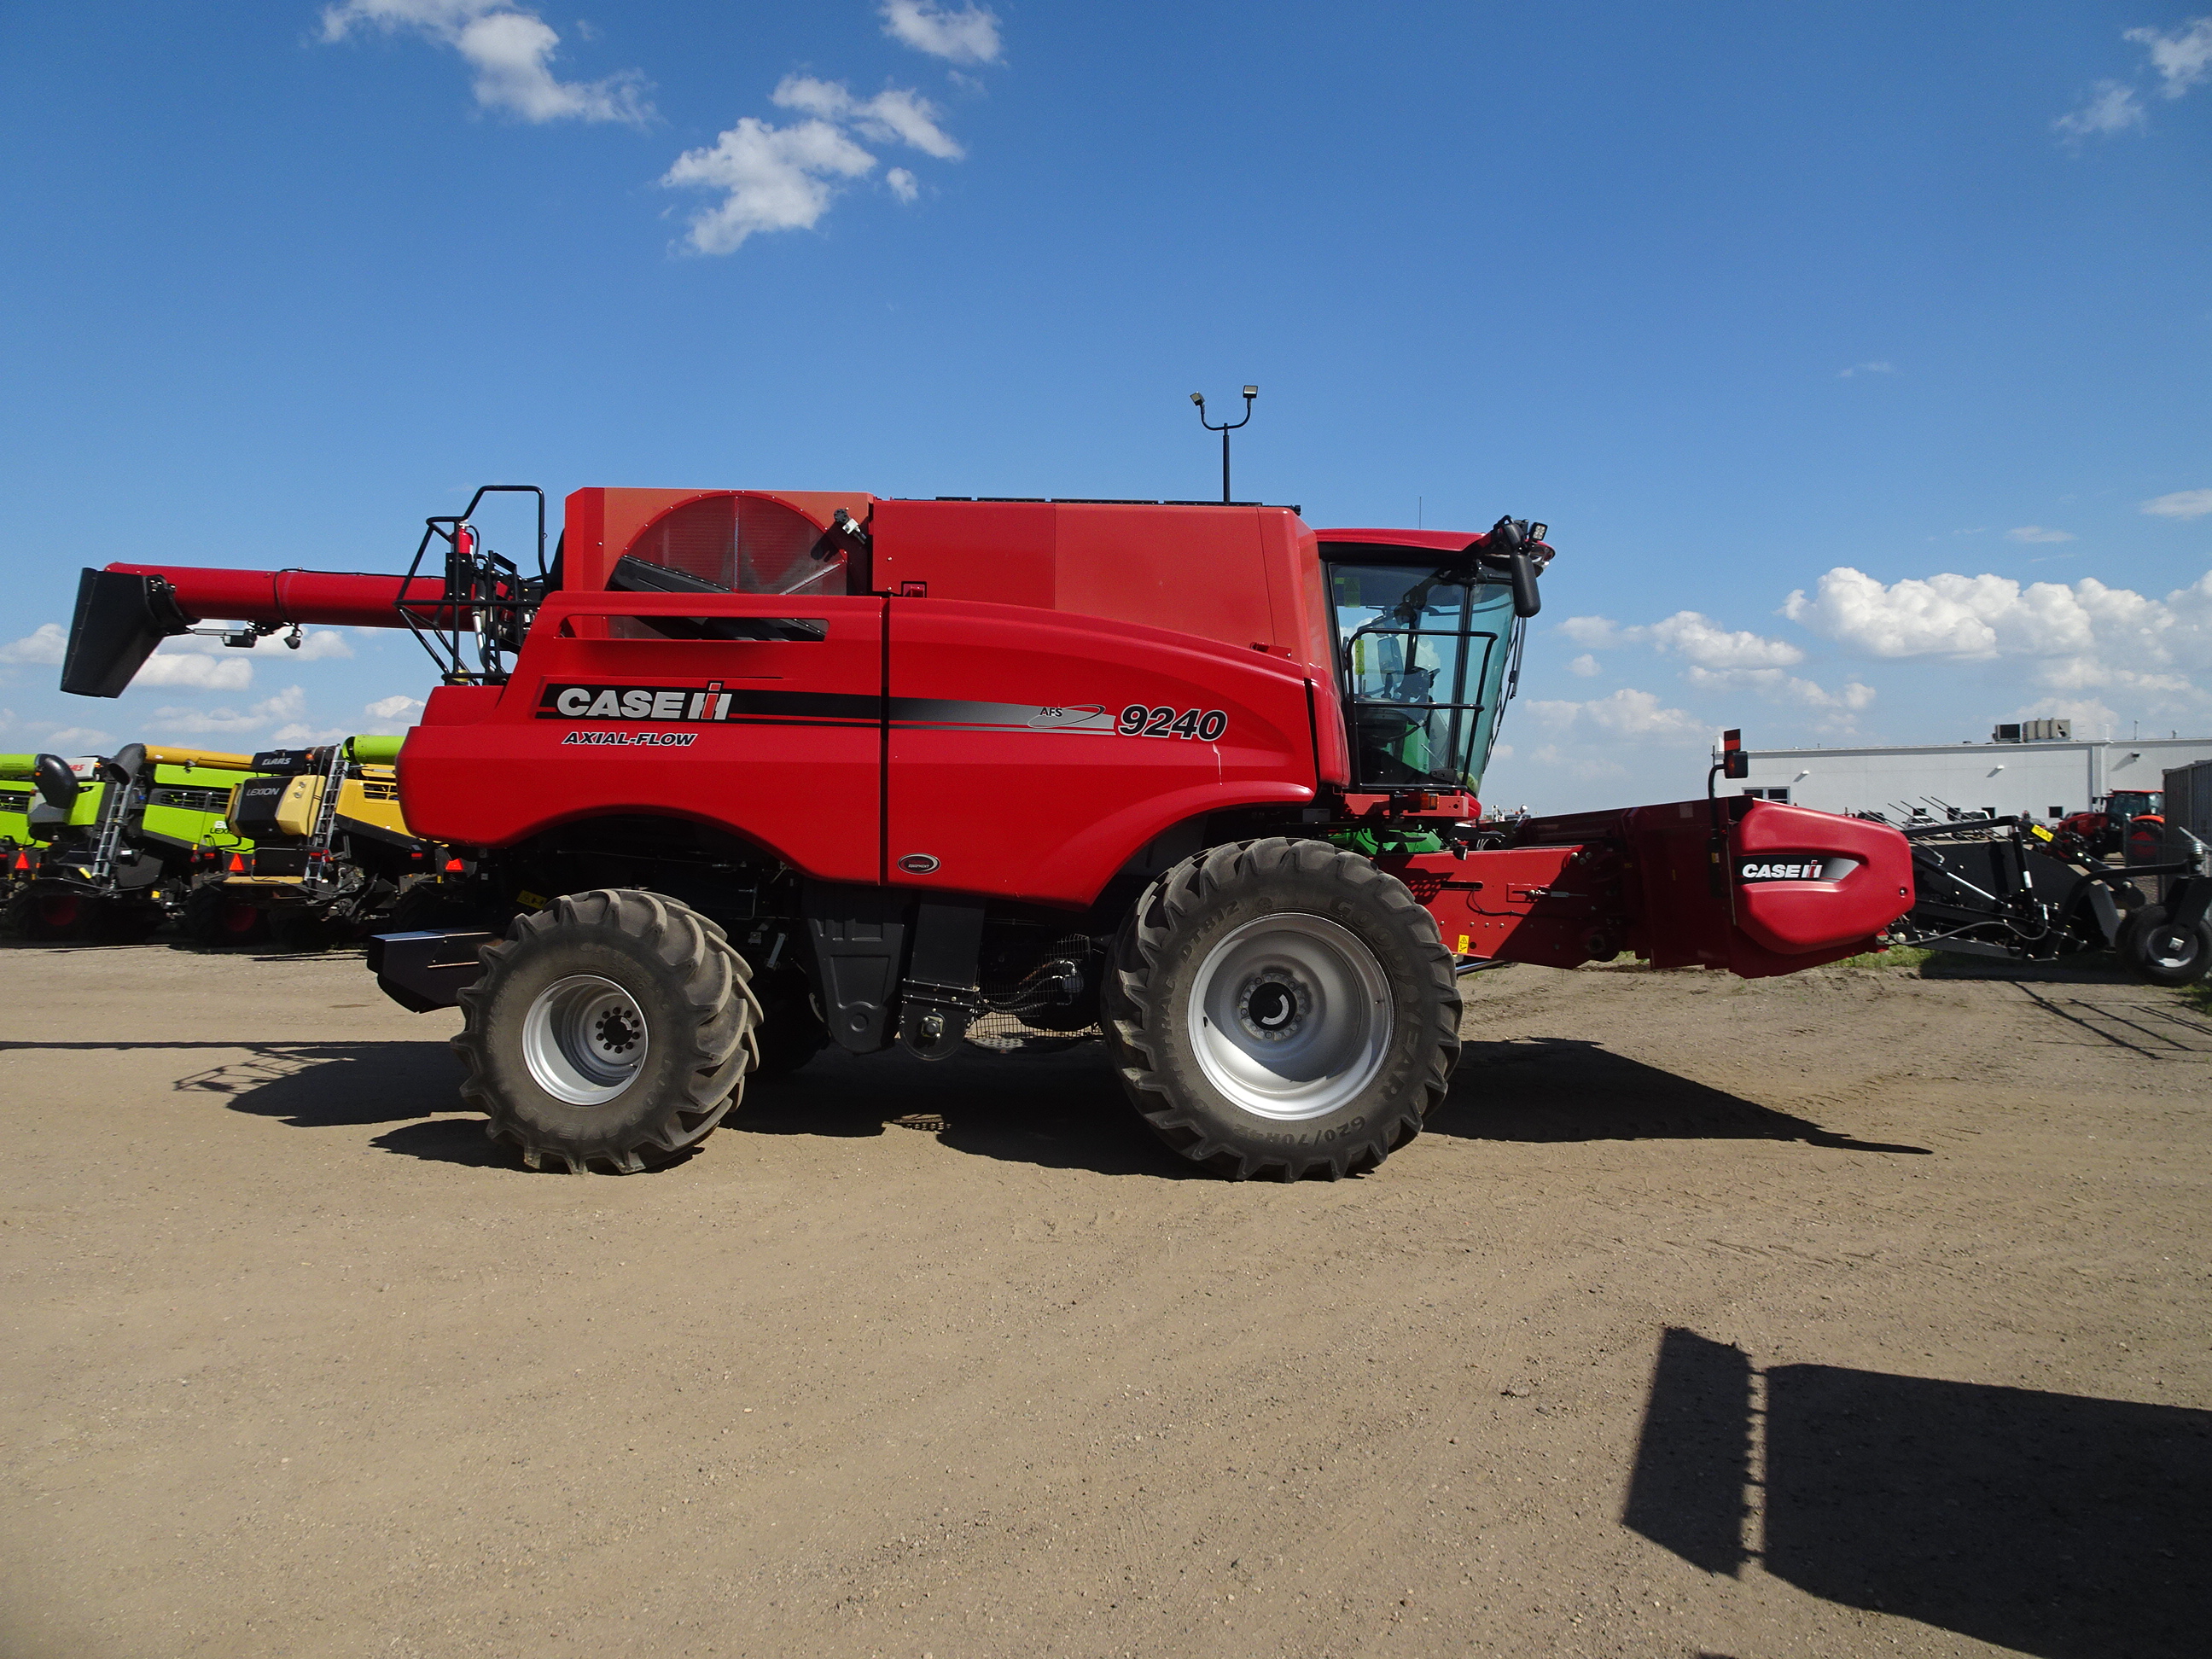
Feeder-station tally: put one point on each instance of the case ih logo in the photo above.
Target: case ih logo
(636, 702)
(1794, 869)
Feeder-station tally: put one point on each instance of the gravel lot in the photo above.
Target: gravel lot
(1856, 1312)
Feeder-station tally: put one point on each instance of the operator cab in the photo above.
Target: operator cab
(1427, 630)
(2127, 803)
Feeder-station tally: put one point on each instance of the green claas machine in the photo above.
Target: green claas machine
(330, 852)
(38, 793)
(122, 854)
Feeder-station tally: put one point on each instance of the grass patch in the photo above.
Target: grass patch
(1903, 958)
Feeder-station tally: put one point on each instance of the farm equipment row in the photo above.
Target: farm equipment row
(737, 776)
(305, 845)
(2013, 889)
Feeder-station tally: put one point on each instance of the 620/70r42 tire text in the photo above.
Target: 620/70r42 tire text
(613, 1028)
(1282, 1007)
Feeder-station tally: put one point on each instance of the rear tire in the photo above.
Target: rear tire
(612, 1029)
(301, 932)
(1282, 1008)
(2154, 949)
(214, 917)
(49, 918)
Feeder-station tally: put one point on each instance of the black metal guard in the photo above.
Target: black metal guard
(484, 594)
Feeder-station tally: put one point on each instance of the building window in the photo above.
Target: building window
(1782, 795)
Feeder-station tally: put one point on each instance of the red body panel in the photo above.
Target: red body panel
(794, 762)
(1010, 772)
(1795, 917)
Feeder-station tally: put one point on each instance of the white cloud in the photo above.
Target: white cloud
(2077, 637)
(1581, 762)
(892, 115)
(969, 35)
(1778, 687)
(2182, 504)
(1585, 665)
(2113, 107)
(510, 47)
(773, 178)
(2091, 717)
(2181, 60)
(84, 740)
(785, 178)
(2036, 532)
(287, 707)
(300, 736)
(319, 645)
(1689, 633)
(1705, 642)
(47, 643)
(1627, 714)
(400, 708)
(1596, 632)
(233, 673)
(1857, 369)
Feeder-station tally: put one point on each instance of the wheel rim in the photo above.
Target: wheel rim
(240, 918)
(60, 912)
(584, 1039)
(1290, 1016)
(2171, 948)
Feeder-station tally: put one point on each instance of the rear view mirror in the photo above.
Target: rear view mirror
(1527, 602)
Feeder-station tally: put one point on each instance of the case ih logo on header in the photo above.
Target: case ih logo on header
(1794, 867)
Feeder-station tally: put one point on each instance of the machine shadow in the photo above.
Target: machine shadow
(2057, 1525)
(1056, 1111)
(327, 1085)
(1061, 1111)
(1567, 1089)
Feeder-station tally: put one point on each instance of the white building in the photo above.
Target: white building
(2043, 779)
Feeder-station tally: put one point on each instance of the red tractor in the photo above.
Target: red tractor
(2127, 820)
(747, 774)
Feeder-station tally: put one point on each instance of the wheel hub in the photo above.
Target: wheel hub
(2170, 947)
(585, 1039)
(1290, 1016)
(1272, 1006)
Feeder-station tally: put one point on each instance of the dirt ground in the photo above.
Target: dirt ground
(1850, 1313)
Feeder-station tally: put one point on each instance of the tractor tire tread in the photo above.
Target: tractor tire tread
(1131, 1031)
(714, 987)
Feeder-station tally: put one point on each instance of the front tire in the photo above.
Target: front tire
(1283, 1008)
(613, 1029)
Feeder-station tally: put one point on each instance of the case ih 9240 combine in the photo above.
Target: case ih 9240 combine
(754, 772)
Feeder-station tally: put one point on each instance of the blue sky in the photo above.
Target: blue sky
(1860, 357)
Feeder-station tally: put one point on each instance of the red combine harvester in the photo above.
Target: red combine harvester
(752, 773)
